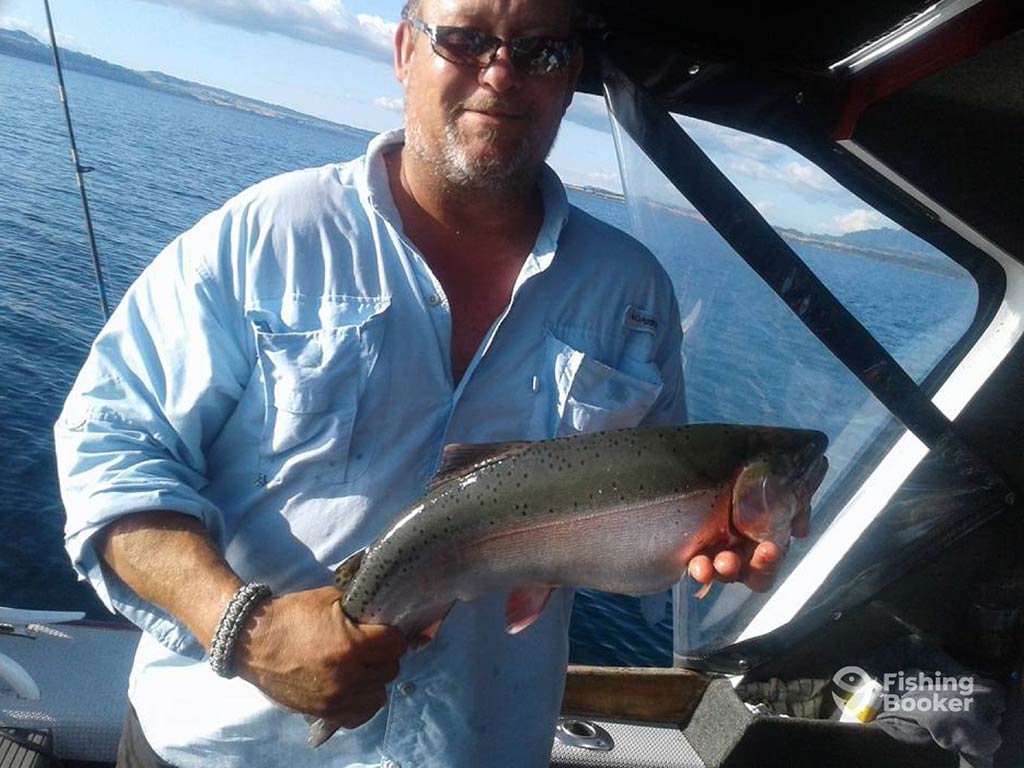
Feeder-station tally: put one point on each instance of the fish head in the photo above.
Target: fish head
(776, 482)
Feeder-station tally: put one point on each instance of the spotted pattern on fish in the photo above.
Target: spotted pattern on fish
(671, 476)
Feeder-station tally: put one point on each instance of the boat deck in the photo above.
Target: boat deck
(92, 657)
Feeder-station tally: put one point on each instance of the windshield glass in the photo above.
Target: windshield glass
(749, 359)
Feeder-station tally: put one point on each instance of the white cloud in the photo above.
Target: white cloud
(750, 145)
(800, 177)
(41, 34)
(379, 27)
(12, 22)
(765, 207)
(809, 175)
(860, 219)
(589, 111)
(714, 138)
(322, 22)
(396, 104)
(755, 169)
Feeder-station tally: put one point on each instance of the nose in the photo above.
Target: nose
(501, 74)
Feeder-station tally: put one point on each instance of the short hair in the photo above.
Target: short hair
(411, 9)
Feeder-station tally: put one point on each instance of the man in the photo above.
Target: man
(279, 384)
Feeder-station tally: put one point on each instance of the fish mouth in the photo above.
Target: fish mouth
(808, 464)
(813, 448)
(809, 470)
(816, 472)
(812, 469)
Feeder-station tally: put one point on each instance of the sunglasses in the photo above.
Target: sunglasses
(465, 45)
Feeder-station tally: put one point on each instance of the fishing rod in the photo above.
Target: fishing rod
(80, 170)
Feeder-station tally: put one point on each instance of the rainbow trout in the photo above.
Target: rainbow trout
(619, 511)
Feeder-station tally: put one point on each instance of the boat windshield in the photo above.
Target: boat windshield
(749, 359)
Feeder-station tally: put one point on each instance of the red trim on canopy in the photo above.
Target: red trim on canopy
(950, 43)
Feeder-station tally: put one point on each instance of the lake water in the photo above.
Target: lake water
(163, 161)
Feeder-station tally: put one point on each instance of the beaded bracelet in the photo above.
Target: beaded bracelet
(238, 609)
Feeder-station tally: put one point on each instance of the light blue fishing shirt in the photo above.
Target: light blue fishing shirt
(282, 372)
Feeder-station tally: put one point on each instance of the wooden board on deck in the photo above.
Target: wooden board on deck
(649, 694)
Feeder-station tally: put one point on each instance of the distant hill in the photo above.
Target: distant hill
(888, 239)
(891, 243)
(23, 46)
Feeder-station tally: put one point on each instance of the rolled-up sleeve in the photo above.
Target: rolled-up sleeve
(159, 383)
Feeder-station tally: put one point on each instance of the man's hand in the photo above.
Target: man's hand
(299, 649)
(756, 565)
(303, 652)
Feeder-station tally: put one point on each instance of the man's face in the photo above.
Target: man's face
(484, 128)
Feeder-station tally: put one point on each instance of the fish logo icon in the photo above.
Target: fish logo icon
(846, 682)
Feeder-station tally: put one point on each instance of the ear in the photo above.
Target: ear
(405, 41)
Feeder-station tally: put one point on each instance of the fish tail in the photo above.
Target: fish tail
(320, 730)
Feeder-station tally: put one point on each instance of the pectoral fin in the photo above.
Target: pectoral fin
(347, 569)
(421, 637)
(525, 606)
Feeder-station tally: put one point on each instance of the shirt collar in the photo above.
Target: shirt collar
(375, 187)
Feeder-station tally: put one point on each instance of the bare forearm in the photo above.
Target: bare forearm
(168, 559)
(299, 648)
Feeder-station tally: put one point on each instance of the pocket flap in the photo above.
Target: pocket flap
(593, 396)
(322, 369)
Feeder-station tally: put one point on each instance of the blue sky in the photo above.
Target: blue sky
(332, 59)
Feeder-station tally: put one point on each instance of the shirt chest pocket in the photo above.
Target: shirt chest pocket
(589, 396)
(313, 383)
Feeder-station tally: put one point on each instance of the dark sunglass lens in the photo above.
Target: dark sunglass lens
(540, 55)
(464, 46)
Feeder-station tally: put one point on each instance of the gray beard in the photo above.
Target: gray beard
(460, 171)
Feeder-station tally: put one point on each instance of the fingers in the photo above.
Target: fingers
(382, 674)
(361, 706)
(381, 644)
(763, 567)
(756, 566)
(358, 709)
(701, 569)
(727, 566)
(305, 654)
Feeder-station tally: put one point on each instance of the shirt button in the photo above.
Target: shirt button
(434, 300)
(407, 688)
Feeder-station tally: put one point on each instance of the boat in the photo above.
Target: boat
(917, 110)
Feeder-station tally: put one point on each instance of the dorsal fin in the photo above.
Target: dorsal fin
(459, 459)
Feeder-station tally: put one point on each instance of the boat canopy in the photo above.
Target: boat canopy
(908, 108)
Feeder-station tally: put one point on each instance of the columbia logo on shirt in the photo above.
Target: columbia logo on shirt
(639, 320)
